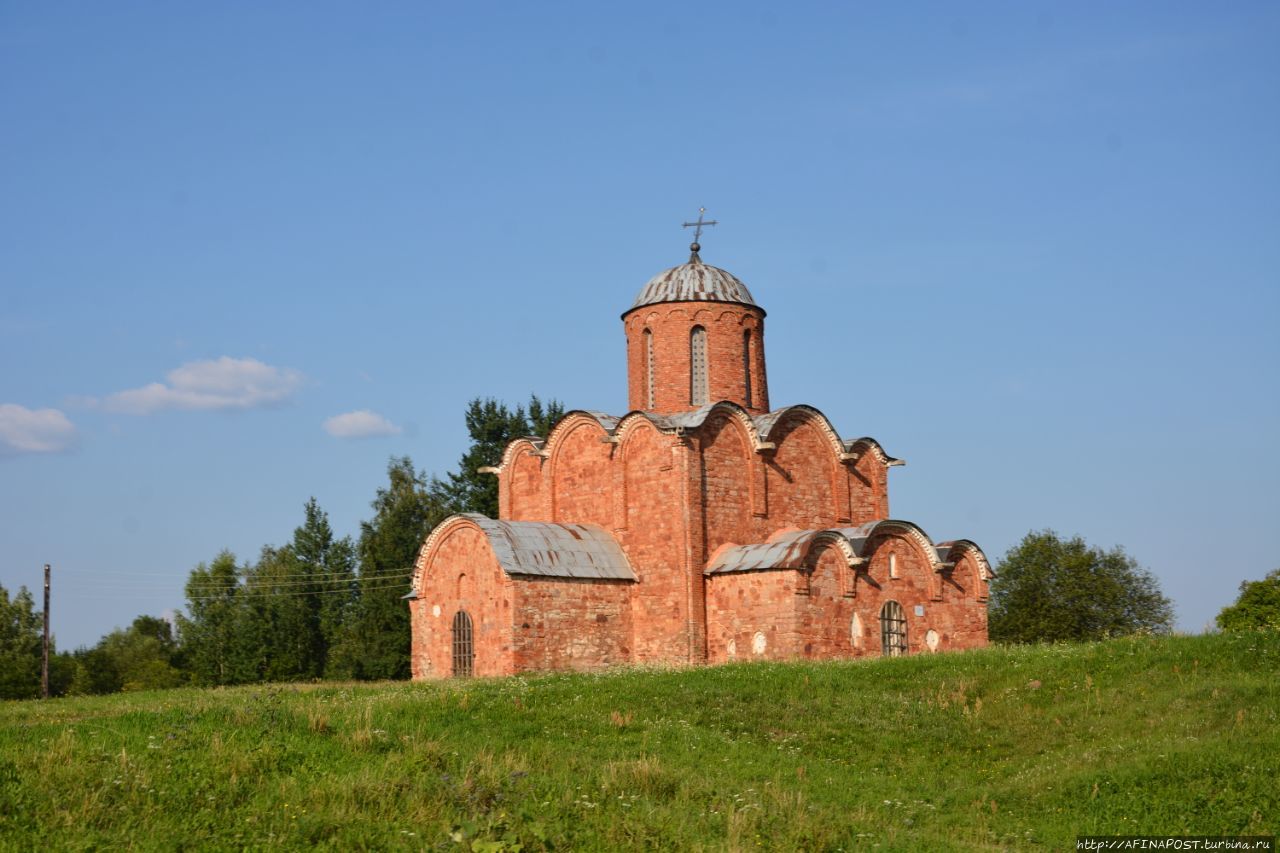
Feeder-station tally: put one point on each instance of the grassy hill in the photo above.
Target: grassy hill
(1001, 748)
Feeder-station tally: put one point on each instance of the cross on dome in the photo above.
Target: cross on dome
(694, 247)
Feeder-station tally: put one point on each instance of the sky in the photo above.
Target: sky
(249, 252)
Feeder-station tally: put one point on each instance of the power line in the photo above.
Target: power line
(236, 593)
(91, 573)
(251, 581)
(249, 592)
(239, 578)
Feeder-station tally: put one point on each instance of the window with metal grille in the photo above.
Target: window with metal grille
(648, 360)
(746, 365)
(464, 651)
(698, 366)
(893, 629)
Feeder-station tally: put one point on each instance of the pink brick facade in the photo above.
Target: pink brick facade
(745, 533)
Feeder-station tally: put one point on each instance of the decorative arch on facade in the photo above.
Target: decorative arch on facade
(632, 421)
(867, 538)
(965, 550)
(867, 444)
(792, 419)
(774, 424)
(725, 471)
(517, 446)
(736, 418)
(565, 431)
(623, 436)
(730, 409)
(435, 539)
(693, 421)
(831, 540)
(514, 456)
(571, 421)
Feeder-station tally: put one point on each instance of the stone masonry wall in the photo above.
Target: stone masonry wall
(581, 475)
(964, 615)
(728, 353)
(811, 613)
(462, 574)
(800, 479)
(751, 616)
(573, 624)
(654, 532)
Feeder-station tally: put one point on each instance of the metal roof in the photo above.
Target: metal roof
(786, 551)
(694, 282)
(555, 550)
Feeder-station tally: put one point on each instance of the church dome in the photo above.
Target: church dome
(694, 282)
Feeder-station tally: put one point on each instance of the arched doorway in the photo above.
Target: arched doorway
(464, 650)
(893, 630)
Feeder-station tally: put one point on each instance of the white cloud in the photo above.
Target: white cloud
(24, 430)
(224, 383)
(361, 423)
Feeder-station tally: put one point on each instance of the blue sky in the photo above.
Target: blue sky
(1031, 248)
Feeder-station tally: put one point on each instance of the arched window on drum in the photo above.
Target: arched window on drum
(648, 367)
(698, 366)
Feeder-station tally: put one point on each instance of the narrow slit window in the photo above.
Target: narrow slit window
(698, 366)
(746, 366)
(648, 362)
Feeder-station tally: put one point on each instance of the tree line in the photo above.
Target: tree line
(317, 607)
(322, 607)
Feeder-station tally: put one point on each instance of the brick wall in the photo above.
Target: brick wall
(727, 462)
(522, 492)
(751, 616)
(655, 538)
(957, 617)
(461, 573)
(575, 624)
(800, 477)
(964, 593)
(728, 354)
(809, 613)
(671, 501)
(580, 472)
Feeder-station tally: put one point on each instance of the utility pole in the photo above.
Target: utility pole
(44, 667)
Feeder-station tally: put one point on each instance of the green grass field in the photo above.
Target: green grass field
(1004, 748)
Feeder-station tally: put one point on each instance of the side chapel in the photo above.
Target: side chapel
(700, 527)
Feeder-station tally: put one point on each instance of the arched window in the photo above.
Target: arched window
(648, 362)
(893, 630)
(464, 650)
(698, 366)
(746, 365)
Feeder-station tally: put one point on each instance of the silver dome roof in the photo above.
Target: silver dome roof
(694, 282)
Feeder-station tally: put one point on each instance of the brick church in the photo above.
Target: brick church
(700, 527)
